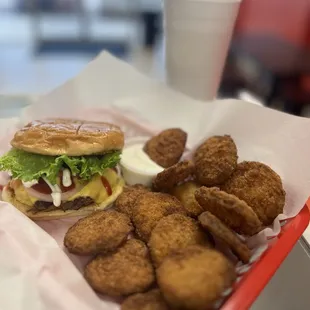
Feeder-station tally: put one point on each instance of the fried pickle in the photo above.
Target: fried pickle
(212, 224)
(128, 188)
(185, 192)
(172, 233)
(194, 278)
(232, 211)
(150, 208)
(167, 147)
(172, 176)
(215, 160)
(126, 271)
(126, 200)
(260, 187)
(151, 300)
(102, 231)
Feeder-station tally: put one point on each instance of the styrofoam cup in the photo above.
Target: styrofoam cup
(197, 37)
(196, 87)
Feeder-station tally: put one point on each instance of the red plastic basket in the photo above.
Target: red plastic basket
(254, 281)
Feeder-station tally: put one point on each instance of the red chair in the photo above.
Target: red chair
(270, 52)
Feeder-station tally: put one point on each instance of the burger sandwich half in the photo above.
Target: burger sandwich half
(63, 167)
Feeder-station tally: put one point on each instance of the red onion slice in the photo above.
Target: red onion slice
(48, 197)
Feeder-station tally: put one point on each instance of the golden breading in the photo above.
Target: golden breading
(126, 200)
(174, 232)
(172, 176)
(101, 231)
(124, 272)
(167, 147)
(150, 208)
(194, 278)
(215, 160)
(260, 187)
(232, 211)
(151, 300)
(185, 192)
(212, 224)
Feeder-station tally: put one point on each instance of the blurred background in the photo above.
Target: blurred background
(45, 42)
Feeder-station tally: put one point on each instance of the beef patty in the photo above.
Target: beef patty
(75, 204)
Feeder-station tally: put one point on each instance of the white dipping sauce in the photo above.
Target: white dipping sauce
(134, 156)
(56, 192)
(137, 167)
(30, 183)
(66, 178)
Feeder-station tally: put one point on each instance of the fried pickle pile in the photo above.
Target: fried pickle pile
(157, 248)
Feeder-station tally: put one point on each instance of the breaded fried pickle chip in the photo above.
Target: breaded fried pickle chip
(166, 148)
(212, 224)
(186, 194)
(215, 160)
(150, 208)
(151, 300)
(232, 211)
(260, 187)
(126, 271)
(194, 278)
(126, 200)
(135, 187)
(172, 233)
(101, 231)
(172, 176)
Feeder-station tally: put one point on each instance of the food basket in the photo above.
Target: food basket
(254, 278)
(136, 104)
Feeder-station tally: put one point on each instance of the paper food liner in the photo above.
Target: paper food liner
(37, 272)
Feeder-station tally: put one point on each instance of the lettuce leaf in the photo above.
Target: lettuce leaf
(28, 166)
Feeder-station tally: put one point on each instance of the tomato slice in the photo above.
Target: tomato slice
(42, 187)
(107, 185)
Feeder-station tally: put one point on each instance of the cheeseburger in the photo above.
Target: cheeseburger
(63, 167)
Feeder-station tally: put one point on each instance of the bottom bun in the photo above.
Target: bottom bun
(8, 196)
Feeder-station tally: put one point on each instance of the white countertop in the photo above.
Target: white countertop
(307, 234)
(289, 287)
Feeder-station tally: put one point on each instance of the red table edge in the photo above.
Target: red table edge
(249, 288)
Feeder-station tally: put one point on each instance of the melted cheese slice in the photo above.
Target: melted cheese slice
(93, 189)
